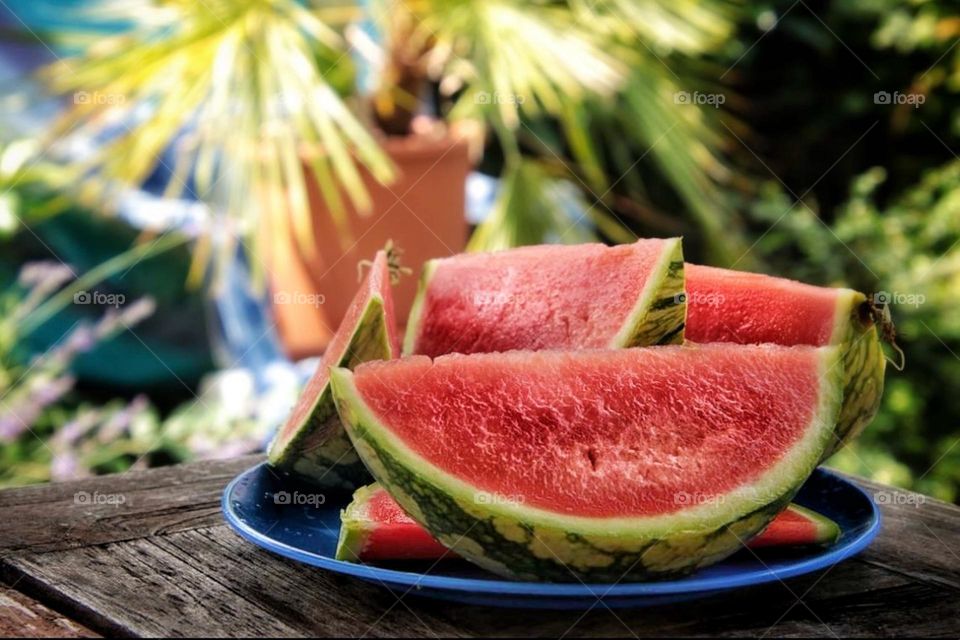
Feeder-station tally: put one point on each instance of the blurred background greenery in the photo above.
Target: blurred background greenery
(812, 140)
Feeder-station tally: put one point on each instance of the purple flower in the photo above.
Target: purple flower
(114, 320)
(53, 390)
(120, 421)
(77, 428)
(47, 274)
(18, 415)
(12, 425)
(65, 466)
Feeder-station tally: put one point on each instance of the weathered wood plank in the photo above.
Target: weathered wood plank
(162, 562)
(920, 535)
(853, 599)
(23, 617)
(112, 508)
(209, 582)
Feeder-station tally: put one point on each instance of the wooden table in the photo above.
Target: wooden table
(163, 562)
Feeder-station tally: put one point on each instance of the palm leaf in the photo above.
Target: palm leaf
(237, 89)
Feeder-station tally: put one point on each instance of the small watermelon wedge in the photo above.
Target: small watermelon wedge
(751, 308)
(550, 297)
(374, 528)
(594, 465)
(797, 526)
(312, 444)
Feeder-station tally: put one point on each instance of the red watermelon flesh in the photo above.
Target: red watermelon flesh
(601, 433)
(375, 528)
(794, 527)
(385, 531)
(751, 308)
(540, 297)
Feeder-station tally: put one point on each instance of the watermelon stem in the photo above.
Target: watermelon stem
(879, 313)
(394, 264)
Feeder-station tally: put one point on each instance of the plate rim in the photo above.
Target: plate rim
(499, 586)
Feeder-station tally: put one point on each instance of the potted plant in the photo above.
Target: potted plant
(319, 130)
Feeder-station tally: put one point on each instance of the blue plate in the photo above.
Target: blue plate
(281, 516)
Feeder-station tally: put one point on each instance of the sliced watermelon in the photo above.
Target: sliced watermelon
(312, 444)
(750, 308)
(550, 297)
(797, 526)
(374, 528)
(594, 464)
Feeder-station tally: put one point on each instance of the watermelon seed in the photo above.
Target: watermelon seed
(592, 456)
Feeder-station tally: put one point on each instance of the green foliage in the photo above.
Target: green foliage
(867, 195)
(34, 419)
(908, 252)
(48, 431)
(249, 93)
(243, 87)
(531, 207)
(643, 157)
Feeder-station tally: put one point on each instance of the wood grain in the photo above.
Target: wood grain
(920, 536)
(163, 563)
(211, 583)
(23, 617)
(154, 502)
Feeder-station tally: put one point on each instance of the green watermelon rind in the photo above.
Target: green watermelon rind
(519, 541)
(355, 528)
(320, 452)
(828, 531)
(864, 366)
(414, 320)
(657, 317)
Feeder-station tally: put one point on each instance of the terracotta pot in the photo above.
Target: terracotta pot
(422, 212)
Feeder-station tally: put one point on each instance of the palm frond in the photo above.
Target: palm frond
(241, 89)
(515, 58)
(607, 73)
(688, 27)
(532, 207)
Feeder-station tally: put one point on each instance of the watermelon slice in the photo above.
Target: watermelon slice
(374, 528)
(312, 444)
(594, 464)
(750, 308)
(550, 297)
(797, 526)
